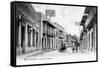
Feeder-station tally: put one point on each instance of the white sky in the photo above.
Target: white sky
(66, 16)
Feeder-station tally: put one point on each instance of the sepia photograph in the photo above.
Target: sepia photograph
(54, 33)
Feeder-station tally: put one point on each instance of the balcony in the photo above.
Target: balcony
(90, 17)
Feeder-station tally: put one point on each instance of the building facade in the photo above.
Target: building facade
(70, 40)
(52, 34)
(27, 29)
(35, 32)
(88, 39)
(59, 35)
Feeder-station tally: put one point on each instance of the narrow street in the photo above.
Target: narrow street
(41, 32)
(56, 57)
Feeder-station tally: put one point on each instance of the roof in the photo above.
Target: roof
(88, 9)
(59, 26)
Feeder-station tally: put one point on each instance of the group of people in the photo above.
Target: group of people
(74, 47)
(62, 48)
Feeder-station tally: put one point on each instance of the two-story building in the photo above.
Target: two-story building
(88, 38)
(27, 29)
(59, 35)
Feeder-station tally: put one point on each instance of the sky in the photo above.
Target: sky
(66, 16)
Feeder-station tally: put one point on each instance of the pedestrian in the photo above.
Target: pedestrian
(77, 45)
(62, 47)
(72, 46)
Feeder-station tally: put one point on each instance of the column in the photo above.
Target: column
(38, 41)
(90, 42)
(55, 43)
(43, 43)
(87, 40)
(19, 49)
(51, 42)
(26, 37)
(46, 41)
(35, 38)
(41, 33)
(19, 36)
(95, 36)
(31, 37)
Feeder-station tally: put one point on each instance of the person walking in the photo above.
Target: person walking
(62, 47)
(77, 45)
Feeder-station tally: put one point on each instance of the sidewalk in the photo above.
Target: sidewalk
(55, 57)
(34, 53)
(29, 54)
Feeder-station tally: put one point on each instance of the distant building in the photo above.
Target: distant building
(69, 40)
(47, 33)
(60, 34)
(88, 36)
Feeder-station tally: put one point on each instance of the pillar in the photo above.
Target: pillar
(41, 33)
(43, 43)
(38, 39)
(54, 43)
(51, 42)
(95, 36)
(31, 38)
(19, 36)
(35, 38)
(46, 41)
(90, 42)
(25, 45)
(26, 36)
(19, 49)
